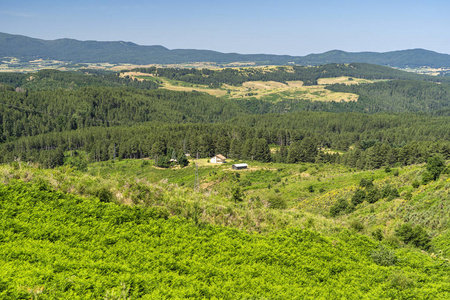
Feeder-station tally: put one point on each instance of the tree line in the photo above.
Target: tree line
(309, 75)
(161, 140)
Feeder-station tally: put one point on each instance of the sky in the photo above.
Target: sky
(271, 27)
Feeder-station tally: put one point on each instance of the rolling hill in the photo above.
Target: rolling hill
(76, 51)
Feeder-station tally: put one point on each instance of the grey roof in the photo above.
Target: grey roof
(240, 165)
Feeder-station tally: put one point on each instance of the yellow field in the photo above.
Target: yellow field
(342, 80)
(268, 90)
(291, 90)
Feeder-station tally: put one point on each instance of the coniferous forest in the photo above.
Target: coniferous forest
(107, 190)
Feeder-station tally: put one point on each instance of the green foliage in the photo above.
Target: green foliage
(398, 95)
(56, 245)
(389, 192)
(366, 183)
(377, 234)
(237, 195)
(414, 235)
(357, 225)
(358, 197)
(427, 177)
(77, 159)
(384, 256)
(435, 166)
(401, 281)
(162, 161)
(277, 202)
(373, 195)
(104, 195)
(340, 206)
(181, 159)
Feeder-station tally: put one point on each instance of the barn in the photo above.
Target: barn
(239, 166)
(218, 159)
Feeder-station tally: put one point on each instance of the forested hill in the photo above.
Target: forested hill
(308, 75)
(27, 48)
(412, 58)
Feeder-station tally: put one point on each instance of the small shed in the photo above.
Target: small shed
(239, 166)
(218, 159)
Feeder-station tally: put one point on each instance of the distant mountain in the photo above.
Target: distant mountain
(27, 48)
(403, 58)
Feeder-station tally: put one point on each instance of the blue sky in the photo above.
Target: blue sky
(277, 27)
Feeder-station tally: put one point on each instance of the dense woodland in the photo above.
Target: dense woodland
(50, 112)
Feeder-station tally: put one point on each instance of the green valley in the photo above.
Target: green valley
(107, 190)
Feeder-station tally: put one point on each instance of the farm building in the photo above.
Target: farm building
(218, 159)
(239, 166)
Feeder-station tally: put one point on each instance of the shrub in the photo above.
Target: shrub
(408, 195)
(357, 225)
(373, 195)
(358, 197)
(340, 206)
(237, 195)
(426, 177)
(390, 192)
(104, 195)
(311, 189)
(366, 183)
(415, 184)
(384, 256)
(401, 281)
(416, 236)
(435, 166)
(277, 202)
(377, 234)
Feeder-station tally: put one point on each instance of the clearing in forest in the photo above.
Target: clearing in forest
(264, 90)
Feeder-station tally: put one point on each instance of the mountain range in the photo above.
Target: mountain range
(27, 48)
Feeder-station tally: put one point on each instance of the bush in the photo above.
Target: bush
(277, 202)
(435, 166)
(390, 192)
(104, 195)
(377, 234)
(416, 236)
(383, 256)
(401, 281)
(427, 177)
(415, 184)
(237, 195)
(366, 183)
(357, 225)
(373, 195)
(408, 195)
(340, 206)
(358, 197)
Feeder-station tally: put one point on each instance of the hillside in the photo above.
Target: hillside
(58, 245)
(70, 50)
(107, 190)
